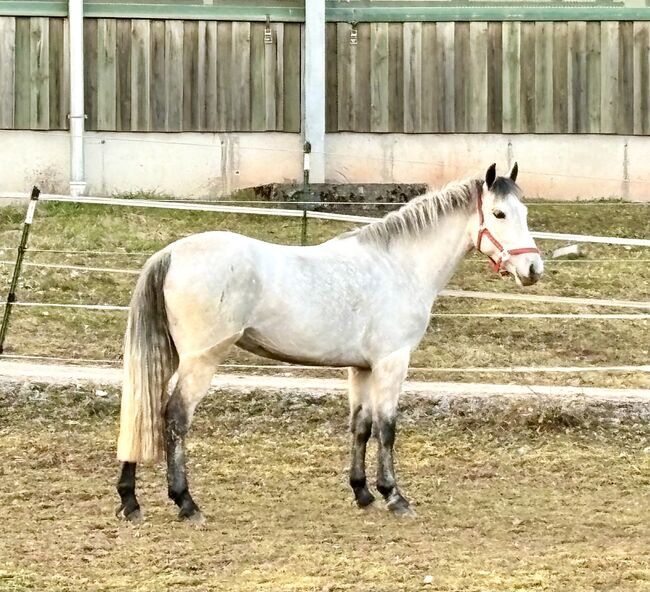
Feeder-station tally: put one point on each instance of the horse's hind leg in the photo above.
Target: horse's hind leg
(194, 375)
(361, 427)
(129, 508)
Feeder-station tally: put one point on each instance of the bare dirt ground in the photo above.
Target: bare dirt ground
(545, 491)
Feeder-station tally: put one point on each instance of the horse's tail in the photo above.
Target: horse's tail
(150, 359)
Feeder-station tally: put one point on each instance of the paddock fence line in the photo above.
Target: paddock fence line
(306, 214)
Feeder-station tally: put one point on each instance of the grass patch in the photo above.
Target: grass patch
(529, 499)
(132, 233)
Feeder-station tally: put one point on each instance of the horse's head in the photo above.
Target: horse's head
(499, 229)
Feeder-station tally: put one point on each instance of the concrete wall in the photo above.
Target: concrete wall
(200, 165)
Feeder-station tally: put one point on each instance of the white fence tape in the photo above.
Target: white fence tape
(548, 299)
(206, 207)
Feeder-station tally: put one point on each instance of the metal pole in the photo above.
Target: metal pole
(11, 296)
(305, 191)
(77, 115)
(314, 86)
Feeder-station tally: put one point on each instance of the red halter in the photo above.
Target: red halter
(504, 254)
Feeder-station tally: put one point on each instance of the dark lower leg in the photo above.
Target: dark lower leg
(176, 429)
(129, 507)
(361, 427)
(386, 483)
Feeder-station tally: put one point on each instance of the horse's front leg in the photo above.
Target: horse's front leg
(360, 427)
(387, 378)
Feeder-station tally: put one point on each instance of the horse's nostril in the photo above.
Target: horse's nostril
(532, 271)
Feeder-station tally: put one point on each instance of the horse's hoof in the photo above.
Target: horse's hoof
(401, 508)
(134, 516)
(364, 499)
(195, 518)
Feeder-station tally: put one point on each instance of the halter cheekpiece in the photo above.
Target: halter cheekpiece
(504, 254)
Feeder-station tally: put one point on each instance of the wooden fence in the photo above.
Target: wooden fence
(153, 75)
(405, 77)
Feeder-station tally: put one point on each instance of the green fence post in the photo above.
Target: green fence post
(11, 296)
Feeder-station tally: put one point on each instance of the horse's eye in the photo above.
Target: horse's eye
(499, 214)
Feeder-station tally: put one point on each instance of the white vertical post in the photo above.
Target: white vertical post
(314, 88)
(77, 115)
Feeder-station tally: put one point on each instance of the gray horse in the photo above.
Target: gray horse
(361, 300)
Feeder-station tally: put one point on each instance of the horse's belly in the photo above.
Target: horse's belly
(256, 343)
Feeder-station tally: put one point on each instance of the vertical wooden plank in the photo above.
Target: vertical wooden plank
(211, 76)
(140, 75)
(201, 75)
(258, 113)
(395, 78)
(609, 74)
(511, 76)
(22, 75)
(331, 86)
(642, 78)
(495, 78)
(577, 111)
(270, 92)
(7, 70)
(559, 123)
(40, 73)
(224, 53)
(445, 44)
(346, 77)
(429, 71)
(90, 72)
(241, 75)
(362, 79)
(593, 78)
(379, 77)
(55, 87)
(158, 105)
(462, 52)
(625, 121)
(412, 77)
(65, 77)
(106, 74)
(279, 75)
(58, 88)
(527, 75)
(543, 77)
(478, 77)
(123, 90)
(292, 57)
(174, 76)
(190, 76)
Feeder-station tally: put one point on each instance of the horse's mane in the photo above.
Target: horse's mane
(422, 212)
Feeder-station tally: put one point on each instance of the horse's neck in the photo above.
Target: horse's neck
(434, 255)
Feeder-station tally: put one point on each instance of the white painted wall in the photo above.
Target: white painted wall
(209, 165)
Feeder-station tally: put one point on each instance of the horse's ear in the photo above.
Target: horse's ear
(513, 172)
(491, 175)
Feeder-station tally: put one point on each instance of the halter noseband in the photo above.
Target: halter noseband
(504, 254)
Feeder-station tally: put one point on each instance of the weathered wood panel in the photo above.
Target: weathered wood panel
(511, 76)
(412, 77)
(59, 82)
(378, 77)
(107, 74)
(642, 78)
(577, 110)
(478, 77)
(7, 71)
(166, 75)
(544, 77)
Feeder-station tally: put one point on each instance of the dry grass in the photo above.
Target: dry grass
(543, 498)
(450, 342)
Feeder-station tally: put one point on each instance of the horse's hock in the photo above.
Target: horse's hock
(333, 194)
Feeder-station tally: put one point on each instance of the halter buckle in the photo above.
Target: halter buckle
(504, 256)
